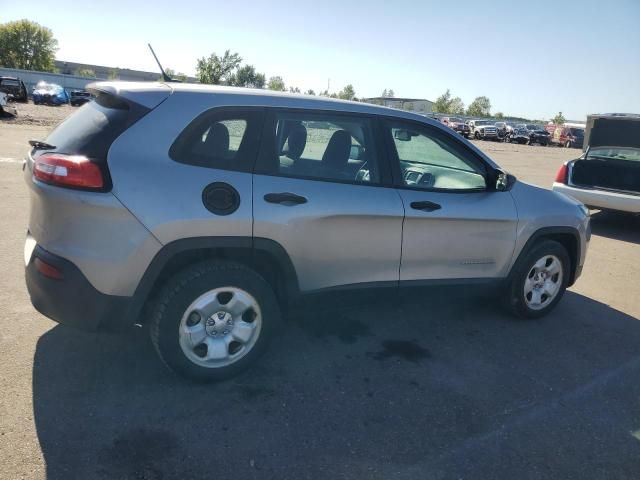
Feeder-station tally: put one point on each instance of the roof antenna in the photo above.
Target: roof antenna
(165, 77)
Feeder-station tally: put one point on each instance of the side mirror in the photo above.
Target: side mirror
(402, 135)
(504, 181)
(357, 152)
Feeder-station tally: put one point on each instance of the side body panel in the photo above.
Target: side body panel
(539, 208)
(166, 196)
(344, 234)
(471, 236)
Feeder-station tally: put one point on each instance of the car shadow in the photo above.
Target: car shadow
(616, 225)
(439, 385)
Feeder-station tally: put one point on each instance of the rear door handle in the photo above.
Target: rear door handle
(425, 206)
(285, 198)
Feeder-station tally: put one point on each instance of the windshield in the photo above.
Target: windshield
(615, 153)
(456, 120)
(532, 126)
(577, 132)
(483, 122)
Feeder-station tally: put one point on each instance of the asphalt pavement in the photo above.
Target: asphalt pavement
(436, 385)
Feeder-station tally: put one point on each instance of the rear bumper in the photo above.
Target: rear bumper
(72, 300)
(603, 199)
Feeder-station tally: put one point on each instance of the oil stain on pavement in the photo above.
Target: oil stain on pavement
(402, 349)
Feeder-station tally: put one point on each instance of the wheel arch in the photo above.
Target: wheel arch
(267, 257)
(568, 237)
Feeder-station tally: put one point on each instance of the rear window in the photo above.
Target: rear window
(93, 128)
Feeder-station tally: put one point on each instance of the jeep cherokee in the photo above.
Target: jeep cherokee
(203, 211)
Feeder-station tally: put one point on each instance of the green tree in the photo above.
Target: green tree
(442, 103)
(86, 72)
(559, 119)
(276, 83)
(27, 45)
(310, 92)
(215, 69)
(390, 93)
(347, 93)
(294, 90)
(246, 76)
(456, 107)
(114, 74)
(499, 115)
(480, 107)
(384, 93)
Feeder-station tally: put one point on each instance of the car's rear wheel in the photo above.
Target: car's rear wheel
(213, 320)
(568, 144)
(476, 136)
(539, 280)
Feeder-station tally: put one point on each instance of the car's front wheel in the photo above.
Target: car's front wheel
(539, 280)
(213, 320)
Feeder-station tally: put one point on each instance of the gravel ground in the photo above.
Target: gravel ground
(42, 115)
(441, 385)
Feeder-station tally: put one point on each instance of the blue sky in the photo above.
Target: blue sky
(530, 58)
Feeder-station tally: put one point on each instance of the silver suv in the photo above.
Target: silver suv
(205, 211)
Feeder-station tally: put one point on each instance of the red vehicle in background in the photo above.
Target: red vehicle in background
(458, 125)
(566, 136)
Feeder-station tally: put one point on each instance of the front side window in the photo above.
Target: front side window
(320, 146)
(225, 140)
(429, 160)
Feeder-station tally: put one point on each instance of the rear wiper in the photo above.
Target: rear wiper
(38, 145)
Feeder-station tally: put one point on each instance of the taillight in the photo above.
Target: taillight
(48, 270)
(73, 171)
(561, 176)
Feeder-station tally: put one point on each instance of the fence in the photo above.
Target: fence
(31, 78)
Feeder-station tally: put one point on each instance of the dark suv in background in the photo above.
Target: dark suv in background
(15, 88)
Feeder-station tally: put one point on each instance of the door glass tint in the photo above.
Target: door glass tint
(431, 161)
(318, 146)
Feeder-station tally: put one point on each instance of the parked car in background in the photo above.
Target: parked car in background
(6, 108)
(483, 129)
(502, 130)
(607, 175)
(457, 125)
(518, 135)
(79, 97)
(251, 200)
(49, 94)
(537, 134)
(14, 88)
(569, 137)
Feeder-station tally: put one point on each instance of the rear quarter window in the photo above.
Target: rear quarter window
(222, 138)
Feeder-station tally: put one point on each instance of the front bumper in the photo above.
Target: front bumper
(72, 300)
(602, 199)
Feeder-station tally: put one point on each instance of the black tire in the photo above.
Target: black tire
(516, 283)
(568, 144)
(182, 289)
(476, 136)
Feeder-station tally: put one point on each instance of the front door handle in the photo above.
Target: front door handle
(285, 198)
(425, 206)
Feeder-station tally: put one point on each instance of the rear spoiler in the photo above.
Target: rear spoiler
(145, 94)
